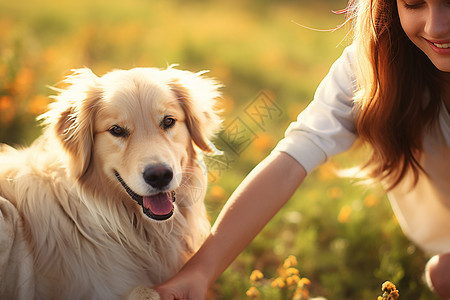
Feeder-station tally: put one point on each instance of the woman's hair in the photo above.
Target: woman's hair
(393, 79)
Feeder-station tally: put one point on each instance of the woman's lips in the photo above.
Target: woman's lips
(440, 47)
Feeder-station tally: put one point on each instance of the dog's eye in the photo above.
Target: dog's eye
(118, 131)
(168, 122)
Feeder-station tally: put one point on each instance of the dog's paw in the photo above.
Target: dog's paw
(143, 293)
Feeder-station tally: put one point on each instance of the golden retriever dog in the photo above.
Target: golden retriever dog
(110, 197)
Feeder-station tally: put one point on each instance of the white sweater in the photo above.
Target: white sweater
(326, 127)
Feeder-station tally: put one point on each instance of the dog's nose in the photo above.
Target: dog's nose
(158, 176)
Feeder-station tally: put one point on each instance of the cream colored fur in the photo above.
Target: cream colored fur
(68, 229)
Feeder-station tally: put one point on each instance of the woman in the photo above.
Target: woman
(390, 88)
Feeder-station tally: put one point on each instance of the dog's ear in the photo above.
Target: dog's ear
(198, 97)
(71, 118)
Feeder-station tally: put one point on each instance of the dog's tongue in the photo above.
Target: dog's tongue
(159, 204)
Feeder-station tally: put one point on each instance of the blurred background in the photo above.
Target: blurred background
(344, 236)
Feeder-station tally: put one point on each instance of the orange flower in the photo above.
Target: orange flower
(344, 214)
(292, 271)
(38, 105)
(7, 110)
(263, 141)
(304, 281)
(289, 262)
(278, 283)
(371, 200)
(24, 81)
(5, 102)
(217, 192)
(256, 275)
(253, 293)
(292, 280)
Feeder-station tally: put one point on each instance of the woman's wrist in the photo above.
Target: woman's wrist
(201, 265)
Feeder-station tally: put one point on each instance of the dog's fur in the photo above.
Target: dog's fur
(68, 227)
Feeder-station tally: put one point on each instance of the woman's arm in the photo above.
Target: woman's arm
(259, 197)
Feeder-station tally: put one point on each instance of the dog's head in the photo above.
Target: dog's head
(141, 128)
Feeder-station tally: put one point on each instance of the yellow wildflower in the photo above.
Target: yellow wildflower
(263, 141)
(292, 280)
(371, 200)
(256, 275)
(278, 283)
(344, 214)
(217, 192)
(24, 81)
(292, 271)
(390, 292)
(304, 281)
(253, 293)
(289, 262)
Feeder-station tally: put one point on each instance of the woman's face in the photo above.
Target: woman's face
(427, 24)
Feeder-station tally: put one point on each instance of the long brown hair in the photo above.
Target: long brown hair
(395, 79)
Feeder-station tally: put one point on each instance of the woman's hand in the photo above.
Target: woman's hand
(186, 284)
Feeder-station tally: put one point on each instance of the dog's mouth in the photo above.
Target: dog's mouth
(157, 207)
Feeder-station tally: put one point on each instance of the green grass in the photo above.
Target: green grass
(344, 236)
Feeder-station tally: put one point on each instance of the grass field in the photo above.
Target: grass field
(344, 236)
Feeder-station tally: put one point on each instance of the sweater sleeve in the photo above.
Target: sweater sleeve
(326, 127)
